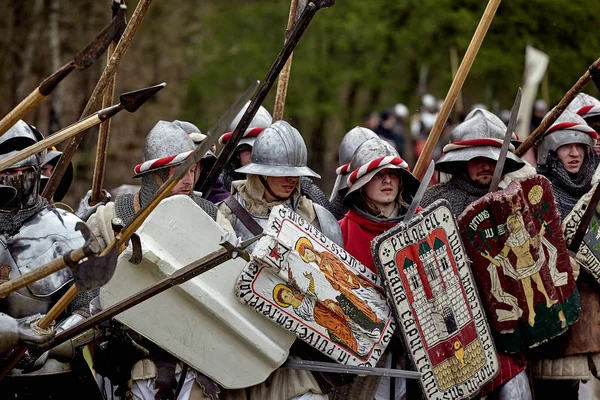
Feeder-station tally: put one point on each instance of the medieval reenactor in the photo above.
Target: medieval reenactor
(34, 233)
(243, 156)
(167, 146)
(566, 157)
(279, 160)
(351, 141)
(219, 192)
(380, 190)
(471, 158)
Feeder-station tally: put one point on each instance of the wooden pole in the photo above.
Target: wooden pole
(284, 76)
(95, 99)
(457, 83)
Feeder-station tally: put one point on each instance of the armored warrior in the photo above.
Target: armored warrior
(33, 233)
(50, 160)
(352, 139)
(166, 147)
(243, 156)
(273, 178)
(380, 190)
(566, 157)
(471, 158)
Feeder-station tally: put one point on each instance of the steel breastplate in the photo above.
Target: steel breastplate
(44, 237)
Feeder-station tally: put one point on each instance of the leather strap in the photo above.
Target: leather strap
(243, 215)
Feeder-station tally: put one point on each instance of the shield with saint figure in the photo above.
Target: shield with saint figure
(521, 264)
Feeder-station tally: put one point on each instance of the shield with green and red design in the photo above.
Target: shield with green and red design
(521, 264)
(433, 294)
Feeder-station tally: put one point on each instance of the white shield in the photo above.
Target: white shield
(201, 322)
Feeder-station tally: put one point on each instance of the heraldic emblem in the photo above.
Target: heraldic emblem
(311, 287)
(520, 261)
(442, 320)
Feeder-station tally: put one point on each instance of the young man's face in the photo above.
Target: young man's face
(571, 156)
(481, 170)
(282, 186)
(186, 184)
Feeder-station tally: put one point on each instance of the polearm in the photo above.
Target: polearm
(122, 238)
(284, 75)
(104, 130)
(457, 83)
(95, 99)
(593, 73)
(307, 15)
(130, 101)
(82, 60)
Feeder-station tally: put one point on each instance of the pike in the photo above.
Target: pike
(82, 60)
(457, 83)
(512, 124)
(320, 366)
(121, 239)
(284, 76)
(95, 99)
(129, 101)
(233, 247)
(593, 73)
(307, 15)
(420, 192)
(104, 130)
(90, 274)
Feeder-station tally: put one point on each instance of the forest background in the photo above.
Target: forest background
(355, 58)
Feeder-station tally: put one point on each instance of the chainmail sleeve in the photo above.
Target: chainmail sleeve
(314, 193)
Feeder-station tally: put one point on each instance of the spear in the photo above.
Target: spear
(307, 15)
(82, 60)
(284, 76)
(94, 102)
(130, 101)
(104, 130)
(457, 83)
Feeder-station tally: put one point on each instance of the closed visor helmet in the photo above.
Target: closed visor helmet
(261, 120)
(26, 184)
(476, 137)
(279, 151)
(166, 145)
(351, 141)
(569, 128)
(585, 105)
(372, 156)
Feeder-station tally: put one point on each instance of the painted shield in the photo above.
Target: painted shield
(304, 282)
(201, 322)
(521, 265)
(433, 293)
(589, 251)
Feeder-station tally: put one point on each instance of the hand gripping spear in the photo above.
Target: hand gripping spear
(82, 60)
(129, 101)
(307, 15)
(104, 130)
(121, 239)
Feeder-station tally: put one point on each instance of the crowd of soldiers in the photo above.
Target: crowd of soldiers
(373, 191)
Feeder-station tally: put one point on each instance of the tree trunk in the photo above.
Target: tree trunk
(54, 39)
(29, 51)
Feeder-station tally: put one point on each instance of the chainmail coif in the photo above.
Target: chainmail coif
(569, 188)
(459, 191)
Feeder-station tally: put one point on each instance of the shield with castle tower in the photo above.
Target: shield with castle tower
(433, 294)
(521, 264)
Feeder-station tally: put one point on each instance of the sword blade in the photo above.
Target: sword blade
(420, 192)
(512, 123)
(320, 366)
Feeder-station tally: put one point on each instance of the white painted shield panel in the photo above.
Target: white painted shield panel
(201, 322)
